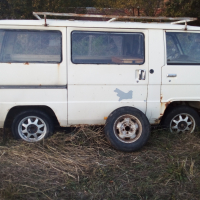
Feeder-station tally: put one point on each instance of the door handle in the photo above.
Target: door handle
(171, 75)
(141, 74)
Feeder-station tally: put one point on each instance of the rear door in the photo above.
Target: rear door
(106, 70)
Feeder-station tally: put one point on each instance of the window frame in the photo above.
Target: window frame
(112, 32)
(32, 30)
(177, 46)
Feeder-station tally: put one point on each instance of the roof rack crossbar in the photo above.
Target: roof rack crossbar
(37, 16)
(183, 21)
(111, 20)
(114, 17)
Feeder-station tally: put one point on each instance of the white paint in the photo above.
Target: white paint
(91, 95)
(97, 24)
(91, 87)
(156, 61)
(184, 87)
(89, 104)
(56, 99)
(35, 73)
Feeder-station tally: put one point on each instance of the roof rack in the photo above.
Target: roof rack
(111, 18)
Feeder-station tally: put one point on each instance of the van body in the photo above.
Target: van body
(80, 72)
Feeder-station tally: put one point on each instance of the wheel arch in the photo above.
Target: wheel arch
(17, 109)
(168, 106)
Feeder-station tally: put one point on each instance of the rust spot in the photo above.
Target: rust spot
(9, 63)
(166, 104)
(161, 97)
(157, 121)
(26, 63)
(105, 118)
(58, 64)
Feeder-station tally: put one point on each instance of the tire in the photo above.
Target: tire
(32, 126)
(181, 119)
(127, 129)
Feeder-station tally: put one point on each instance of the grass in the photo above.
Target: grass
(82, 165)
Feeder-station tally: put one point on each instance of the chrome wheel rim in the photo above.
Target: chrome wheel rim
(182, 123)
(127, 128)
(32, 129)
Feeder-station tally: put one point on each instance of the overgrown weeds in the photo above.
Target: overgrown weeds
(82, 165)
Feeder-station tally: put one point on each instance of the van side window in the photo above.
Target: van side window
(107, 48)
(31, 46)
(183, 48)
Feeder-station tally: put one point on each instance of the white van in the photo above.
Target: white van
(125, 75)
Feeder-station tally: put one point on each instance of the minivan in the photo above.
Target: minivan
(124, 75)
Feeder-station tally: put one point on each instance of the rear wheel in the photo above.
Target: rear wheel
(181, 119)
(127, 129)
(32, 126)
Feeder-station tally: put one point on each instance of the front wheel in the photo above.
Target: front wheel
(32, 126)
(181, 119)
(127, 129)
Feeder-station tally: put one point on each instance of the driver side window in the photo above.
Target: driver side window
(172, 49)
(183, 48)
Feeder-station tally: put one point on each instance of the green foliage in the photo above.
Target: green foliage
(148, 8)
(22, 9)
(151, 7)
(183, 8)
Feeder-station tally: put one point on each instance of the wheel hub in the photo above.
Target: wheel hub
(127, 128)
(32, 128)
(182, 125)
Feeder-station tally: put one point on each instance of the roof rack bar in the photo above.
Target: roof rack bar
(36, 14)
(183, 21)
(45, 20)
(111, 20)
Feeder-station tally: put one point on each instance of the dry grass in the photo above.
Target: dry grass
(82, 165)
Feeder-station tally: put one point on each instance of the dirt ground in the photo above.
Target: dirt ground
(82, 165)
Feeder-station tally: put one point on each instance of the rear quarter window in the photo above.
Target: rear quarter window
(31, 46)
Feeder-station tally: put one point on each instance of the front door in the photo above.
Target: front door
(180, 75)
